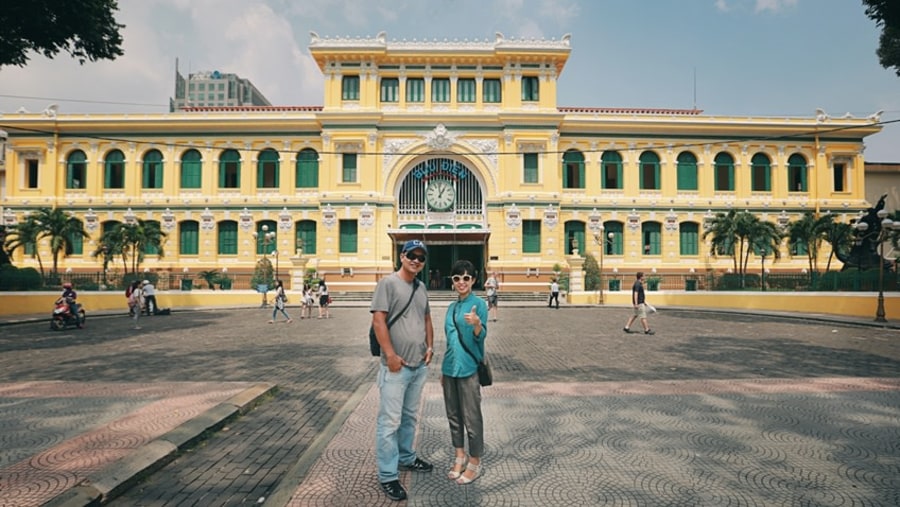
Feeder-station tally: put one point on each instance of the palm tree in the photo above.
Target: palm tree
(137, 238)
(721, 229)
(809, 232)
(840, 235)
(111, 246)
(60, 227)
(765, 240)
(25, 235)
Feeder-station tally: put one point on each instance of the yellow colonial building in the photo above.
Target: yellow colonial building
(461, 144)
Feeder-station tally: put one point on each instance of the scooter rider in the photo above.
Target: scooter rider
(70, 296)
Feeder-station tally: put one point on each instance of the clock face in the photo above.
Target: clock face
(440, 195)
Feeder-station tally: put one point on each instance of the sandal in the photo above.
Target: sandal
(475, 469)
(454, 474)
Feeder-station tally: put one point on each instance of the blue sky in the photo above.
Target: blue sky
(750, 57)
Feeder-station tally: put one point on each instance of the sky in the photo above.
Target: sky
(727, 57)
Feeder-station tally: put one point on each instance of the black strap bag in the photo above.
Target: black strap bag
(374, 346)
(485, 375)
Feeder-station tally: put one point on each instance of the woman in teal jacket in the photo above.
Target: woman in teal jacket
(466, 320)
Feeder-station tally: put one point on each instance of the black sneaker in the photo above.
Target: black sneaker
(626, 330)
(649, 331)
(394, 490)
(418, 466)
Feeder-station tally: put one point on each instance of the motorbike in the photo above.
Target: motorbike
(63, 317)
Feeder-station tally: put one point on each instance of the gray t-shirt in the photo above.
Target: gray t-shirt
(408, 332)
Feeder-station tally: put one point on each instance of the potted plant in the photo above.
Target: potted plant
(653, 282)
(210, 276)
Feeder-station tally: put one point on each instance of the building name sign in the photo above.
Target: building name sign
(440, 166)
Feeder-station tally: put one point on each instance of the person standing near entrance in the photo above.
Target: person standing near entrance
(407, 348)
(638, 300)
(554, 293)
(491, 286)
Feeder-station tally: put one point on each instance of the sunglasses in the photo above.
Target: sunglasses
(463, 278)
(415, 257)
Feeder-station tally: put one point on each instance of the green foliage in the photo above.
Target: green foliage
(15, 279)
(591, 273)
(886, 15)
(210, 276)
(86, 29)
(263, 274)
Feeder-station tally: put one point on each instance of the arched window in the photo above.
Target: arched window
(573, 169)
(76, 170)
(724, 172)
(574, 231)
(230, 169)
(265, 244)
(614, 238)
(611, 170)
(228, 237)
(152, 173)
(191, 169)
(152, 230)
(651, 239)
(689, 238)
(649, 171)
(114, 170)
(189, 237)
(306, 236)
(797, 173)
(687, 171)
(760, 173)
(267, 169)
(307, 171)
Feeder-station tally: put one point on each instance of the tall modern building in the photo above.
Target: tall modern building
(214, 89)
(461, 144)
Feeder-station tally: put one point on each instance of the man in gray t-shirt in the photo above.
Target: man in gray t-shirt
(406, 351)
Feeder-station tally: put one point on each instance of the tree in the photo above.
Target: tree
(591, 273)
(886, 15)
(137, 238)
(765, 238)
(722, 232)
(809, 232)
(60, 228)
(840, 236)
(86, 29)
(25, 235)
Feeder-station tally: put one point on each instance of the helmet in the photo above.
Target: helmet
(67, 285)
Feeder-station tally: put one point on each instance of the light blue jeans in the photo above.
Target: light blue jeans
(398, 415)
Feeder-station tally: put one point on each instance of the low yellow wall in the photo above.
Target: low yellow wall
(855, 304)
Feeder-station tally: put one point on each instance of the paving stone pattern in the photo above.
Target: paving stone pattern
(319, 364)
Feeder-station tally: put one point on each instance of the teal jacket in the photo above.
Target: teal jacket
(457, 363)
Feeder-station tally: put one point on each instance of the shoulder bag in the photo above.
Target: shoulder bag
(485, 375)
(374, 346)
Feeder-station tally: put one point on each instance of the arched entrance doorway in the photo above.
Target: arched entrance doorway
(441, 201)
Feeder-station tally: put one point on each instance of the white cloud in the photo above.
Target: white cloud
(774, 5)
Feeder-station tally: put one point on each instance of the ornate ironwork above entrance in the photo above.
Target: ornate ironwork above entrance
(441, 193)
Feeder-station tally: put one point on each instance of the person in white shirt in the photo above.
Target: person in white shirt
(554, 293)
(491, 286)
(149, 292)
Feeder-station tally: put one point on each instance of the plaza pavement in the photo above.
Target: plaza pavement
(219, 408)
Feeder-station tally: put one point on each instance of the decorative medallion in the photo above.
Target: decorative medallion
(440, 138)
(551, 217)
(246, 220)
(634, 220)
(513, 217)
(9, 217)
(595, 222)
(329, 216)
(366, 216)
(285, 220)
(130, 217)
(207, 220)
(168, 220)
(671, 223)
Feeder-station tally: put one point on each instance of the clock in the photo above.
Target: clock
(440, 195)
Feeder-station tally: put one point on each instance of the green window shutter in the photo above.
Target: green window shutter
(760, 173)
(76, 243)
(151, 176)
(267, 169)
(190, 169)
(492, 91)
(689, 238)
(306, 233)
(615, 244)
(465, 90)
(687, 171)
(348, 174)
(415, 90)
(390, 89)
(307, 169)
(189, 238)
(649, 174)
(230, 169)
(797, 173)
(530, 89)
(531, 236)
(151, 225)
(350, 88)
(611, 167)
(651, 238)
(573, 169)
(440, 90)
(228, 240)
(76, 169)
(530, 163)
(114, 170)
(348, 239)
(724, 173)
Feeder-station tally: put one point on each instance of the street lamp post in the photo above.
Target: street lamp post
(602, 240)
(887, 225)
(267, 237)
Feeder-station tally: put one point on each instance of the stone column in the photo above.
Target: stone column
(298, 270)
(576, 273)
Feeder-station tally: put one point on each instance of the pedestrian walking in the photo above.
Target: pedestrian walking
(280, 302)
(406, 351)
(554, 293)
(466, 331)
(135, 302)
(491, 287)
(638, 300)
